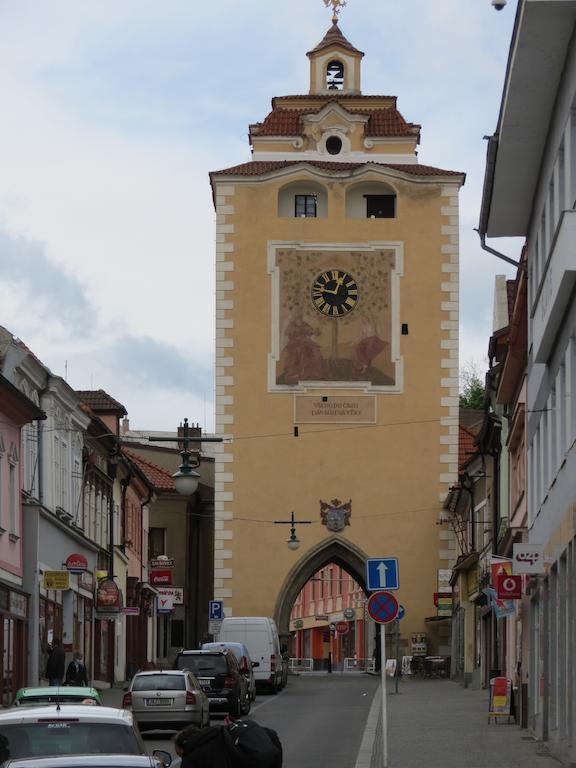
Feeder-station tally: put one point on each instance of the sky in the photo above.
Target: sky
(114, 112)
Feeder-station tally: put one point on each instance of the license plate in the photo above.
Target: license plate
(204, 683)
(159, 702)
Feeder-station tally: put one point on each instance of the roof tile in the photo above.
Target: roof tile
(159, 477)
(262, 167)
(99, 400)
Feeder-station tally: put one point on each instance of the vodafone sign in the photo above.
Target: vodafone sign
(509, 587)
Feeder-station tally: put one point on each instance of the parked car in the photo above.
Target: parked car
(171, 699)
(243, 657)
(260, 635)
(53, 694)
(159, 759)
(219, 675)
(71, 730)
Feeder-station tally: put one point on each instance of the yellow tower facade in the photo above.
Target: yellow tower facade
(336, 345)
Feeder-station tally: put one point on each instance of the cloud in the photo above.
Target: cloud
(50, 290)
(152, 363)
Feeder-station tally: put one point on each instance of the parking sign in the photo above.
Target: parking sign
(215, 609)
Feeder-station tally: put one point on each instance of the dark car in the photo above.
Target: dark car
(218, 672)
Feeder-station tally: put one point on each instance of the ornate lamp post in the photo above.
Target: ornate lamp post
(292, 541)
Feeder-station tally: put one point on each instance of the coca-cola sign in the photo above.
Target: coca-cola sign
(161, 577)
(76, 563)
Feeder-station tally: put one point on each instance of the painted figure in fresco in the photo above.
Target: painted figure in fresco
(303, 358)
(368, 347)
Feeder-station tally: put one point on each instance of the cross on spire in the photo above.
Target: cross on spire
(337, 6)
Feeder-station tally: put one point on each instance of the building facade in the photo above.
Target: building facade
(337, 349)
(530, 188)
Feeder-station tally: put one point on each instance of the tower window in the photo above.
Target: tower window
(333, 145)
(380, 206)
(335, 76)
(305, 206)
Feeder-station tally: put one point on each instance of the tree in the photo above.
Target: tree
(471, 387)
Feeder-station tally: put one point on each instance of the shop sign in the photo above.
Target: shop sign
(444, 606)
(18, 605)
(161, 577)
(444, 576)
(509, 587)
(56, 580)
(76, 563)
(108, 596)
(176, 593)
(86, 580)
(165, 604)
(499, 567)
(131, 610)
(342, 627)
(418, 643)
(162, 562)
(528, 558)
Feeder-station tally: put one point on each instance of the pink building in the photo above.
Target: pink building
(328, 621)
(16, 410)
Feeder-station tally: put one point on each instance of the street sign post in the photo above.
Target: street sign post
(382, 573)
(216, 609)
(383, 608)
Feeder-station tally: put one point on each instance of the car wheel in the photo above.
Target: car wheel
(247, 704)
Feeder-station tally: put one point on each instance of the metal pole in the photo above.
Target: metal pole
(397, 672)
(384, 702)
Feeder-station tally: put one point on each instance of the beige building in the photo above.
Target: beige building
(337, 348)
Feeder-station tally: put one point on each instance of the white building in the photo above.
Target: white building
(530, 191)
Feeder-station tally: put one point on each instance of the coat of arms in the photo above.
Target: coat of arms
(336, 515)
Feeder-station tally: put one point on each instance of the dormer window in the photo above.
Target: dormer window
(335, 76)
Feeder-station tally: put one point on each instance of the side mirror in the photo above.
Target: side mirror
(255, 664)
(164, 757)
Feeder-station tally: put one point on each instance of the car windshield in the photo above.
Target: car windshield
(236, 650)
(66, 737)
(203, 666)
(159, 683)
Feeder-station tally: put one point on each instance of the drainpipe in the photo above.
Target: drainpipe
(499, 255)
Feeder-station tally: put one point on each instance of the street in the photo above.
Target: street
(321, 721)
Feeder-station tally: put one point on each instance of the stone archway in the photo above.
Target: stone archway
(333, 550)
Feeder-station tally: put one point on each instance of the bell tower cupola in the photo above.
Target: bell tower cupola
(335, 63)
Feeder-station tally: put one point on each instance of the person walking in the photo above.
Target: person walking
(56, 663)
(76, 673)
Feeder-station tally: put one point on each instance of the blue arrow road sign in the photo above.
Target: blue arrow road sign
(382, 573)
(401, 612)
(215, 609)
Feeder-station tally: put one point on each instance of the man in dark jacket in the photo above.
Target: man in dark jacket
(56, 663)
(76, 673)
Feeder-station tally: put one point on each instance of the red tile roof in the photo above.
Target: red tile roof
(262, 167)
(159, 477)
(288, 122)
(334, 36)
(99, 400)
(466, 447)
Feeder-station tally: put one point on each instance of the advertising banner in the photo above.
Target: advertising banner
(528, 558)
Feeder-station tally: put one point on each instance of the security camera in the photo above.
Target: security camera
(499, 4)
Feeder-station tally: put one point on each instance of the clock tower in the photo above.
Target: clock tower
(336, 348)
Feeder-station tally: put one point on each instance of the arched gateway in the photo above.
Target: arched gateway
(333, 550)
(336, 348)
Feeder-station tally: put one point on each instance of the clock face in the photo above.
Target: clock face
(334, 293)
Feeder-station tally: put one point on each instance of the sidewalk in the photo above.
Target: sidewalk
(439, 724)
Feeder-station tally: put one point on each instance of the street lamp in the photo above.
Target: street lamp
(186, 479)
(292, 541)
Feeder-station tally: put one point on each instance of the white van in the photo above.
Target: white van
(260, 635)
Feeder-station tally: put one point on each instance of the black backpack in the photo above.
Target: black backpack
(251, 745)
